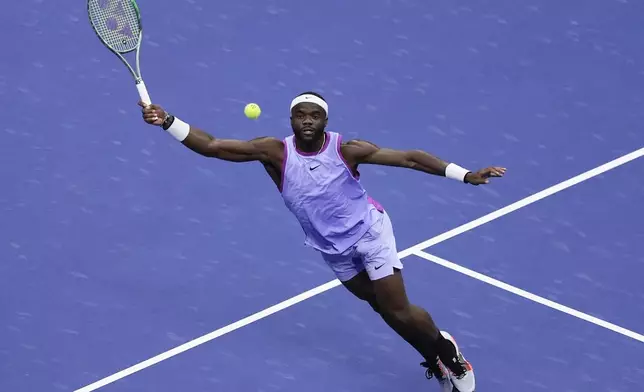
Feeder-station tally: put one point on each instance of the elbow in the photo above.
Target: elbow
(213, 149)
(210, 149)
(411, 159)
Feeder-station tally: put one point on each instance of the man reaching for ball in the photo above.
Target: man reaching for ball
(317, 175)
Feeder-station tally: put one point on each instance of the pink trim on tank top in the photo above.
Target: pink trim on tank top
(339, 149)
(356, 175)
(284, 164)
(378, 206)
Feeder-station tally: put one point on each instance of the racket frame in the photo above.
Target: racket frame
(136, 73)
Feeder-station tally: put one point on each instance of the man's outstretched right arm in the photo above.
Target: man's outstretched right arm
(261, 149)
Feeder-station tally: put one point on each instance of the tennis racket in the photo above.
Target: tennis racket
(117, 23)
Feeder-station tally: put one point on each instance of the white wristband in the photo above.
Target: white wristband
(179, 129)
(455, 172)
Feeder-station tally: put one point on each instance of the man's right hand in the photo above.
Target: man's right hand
(153, 114)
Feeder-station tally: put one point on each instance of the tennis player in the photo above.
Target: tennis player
(317, 175)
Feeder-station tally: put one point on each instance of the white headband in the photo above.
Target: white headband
(313, 99)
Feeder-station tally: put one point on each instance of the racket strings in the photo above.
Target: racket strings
(116, 22)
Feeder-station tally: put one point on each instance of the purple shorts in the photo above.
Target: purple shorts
(375, 252)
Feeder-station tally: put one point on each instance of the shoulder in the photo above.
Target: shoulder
(271, 148)
(267, 142)
(359, 143)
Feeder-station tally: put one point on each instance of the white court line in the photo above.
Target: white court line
(530, 296)
(526, 201)
(334, 283)
(212, 335)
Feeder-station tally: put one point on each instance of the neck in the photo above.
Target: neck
(311, 146)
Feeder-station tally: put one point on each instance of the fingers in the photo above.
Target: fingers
(497, 171)
(152, 114)
(483, 175)
(150, 117)
(493, 172)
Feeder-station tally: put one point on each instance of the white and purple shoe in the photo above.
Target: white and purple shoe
(465, 381)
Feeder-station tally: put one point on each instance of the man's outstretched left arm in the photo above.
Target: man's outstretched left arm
(362, 152)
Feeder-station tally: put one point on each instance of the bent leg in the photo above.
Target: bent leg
(415, 322)
(378, 249)
(362, 287)
(404, 317)
(383, 267)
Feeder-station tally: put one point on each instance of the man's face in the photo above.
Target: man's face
(308, 121)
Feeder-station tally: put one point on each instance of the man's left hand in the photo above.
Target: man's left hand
(483, 176)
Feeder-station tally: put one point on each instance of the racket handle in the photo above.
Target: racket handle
(143, 92)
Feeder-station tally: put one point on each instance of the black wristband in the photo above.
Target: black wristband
(167, 122)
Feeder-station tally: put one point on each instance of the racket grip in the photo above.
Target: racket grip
(143, 92)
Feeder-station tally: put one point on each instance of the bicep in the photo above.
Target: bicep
(387, 156)
(360, 151)
(243, 150)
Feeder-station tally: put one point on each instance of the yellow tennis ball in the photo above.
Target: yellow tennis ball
(252, 111)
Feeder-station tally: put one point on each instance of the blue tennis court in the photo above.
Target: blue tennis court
(119, 245)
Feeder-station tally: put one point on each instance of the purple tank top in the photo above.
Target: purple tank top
(326, 198)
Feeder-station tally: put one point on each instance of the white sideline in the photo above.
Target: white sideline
(416, 249)
(530, 296)
(526, 201)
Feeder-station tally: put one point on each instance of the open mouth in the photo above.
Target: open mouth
(308, 132)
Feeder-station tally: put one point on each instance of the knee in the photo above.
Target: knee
(398, 315)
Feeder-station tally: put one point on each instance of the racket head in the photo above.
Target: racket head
(117, 23)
